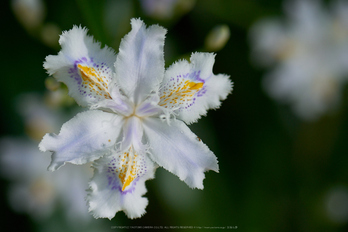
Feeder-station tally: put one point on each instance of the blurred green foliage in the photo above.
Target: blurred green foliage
(275, 171)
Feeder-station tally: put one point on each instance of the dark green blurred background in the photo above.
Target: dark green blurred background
(275, 171)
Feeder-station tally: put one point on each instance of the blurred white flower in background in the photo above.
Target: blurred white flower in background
(37, 192)
(166, 9)
(217, 38)
(31, 15)
(336, 204)
(32, 189)
(308, 53)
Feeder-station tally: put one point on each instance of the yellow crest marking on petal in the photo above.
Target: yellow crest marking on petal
(179, 93)
(94, 81)
(128, 169)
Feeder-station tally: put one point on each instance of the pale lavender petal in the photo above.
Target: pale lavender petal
(140, 62)
(178, 150)
(86, 137)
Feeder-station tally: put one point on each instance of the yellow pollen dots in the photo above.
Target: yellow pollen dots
(93, 81)
(128, 168)
(179, 94)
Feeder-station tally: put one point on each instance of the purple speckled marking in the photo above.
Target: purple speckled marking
(74, 74)
(194, 76)
(201, 92)
(114, 181)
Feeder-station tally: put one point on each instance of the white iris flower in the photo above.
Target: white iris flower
(137, 115)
